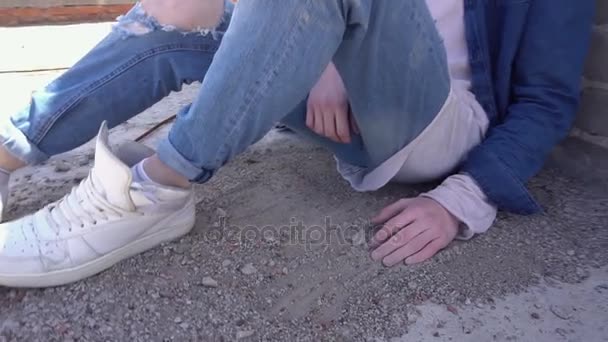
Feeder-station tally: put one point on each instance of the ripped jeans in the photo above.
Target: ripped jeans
(256, 68)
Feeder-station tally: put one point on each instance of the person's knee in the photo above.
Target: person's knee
(185, 16)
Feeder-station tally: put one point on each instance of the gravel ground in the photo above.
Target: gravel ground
(278, 254)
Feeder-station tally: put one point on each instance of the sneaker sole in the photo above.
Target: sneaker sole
(71, 275)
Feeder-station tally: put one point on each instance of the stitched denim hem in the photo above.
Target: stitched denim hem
(499, 184)
(18, 145)
(169, 155)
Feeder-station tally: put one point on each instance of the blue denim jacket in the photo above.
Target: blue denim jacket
(527, 58)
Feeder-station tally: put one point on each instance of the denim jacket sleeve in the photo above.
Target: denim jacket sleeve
(544, 93)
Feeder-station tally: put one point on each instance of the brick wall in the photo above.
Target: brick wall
(593, 116)
(59, 3)
(29, 12)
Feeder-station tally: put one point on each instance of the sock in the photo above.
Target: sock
(140, 175)
(157, 193)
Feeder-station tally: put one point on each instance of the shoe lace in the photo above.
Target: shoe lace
(84, 206)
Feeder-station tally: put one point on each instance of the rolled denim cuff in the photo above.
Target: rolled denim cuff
(169, 155)
(18, 145)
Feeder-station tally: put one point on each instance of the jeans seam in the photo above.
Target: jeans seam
(521, 186)
(254, 92)
(75, 99)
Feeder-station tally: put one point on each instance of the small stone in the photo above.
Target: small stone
(181, 249)
(359, 238)
(221, 212)
(226, 263)
(209, 282)
(62, 166)
(436, 334)
(166, 293)
(271, 263)
(184, 326)
(582, 273)
(535, 315)
(601, 288)
(467, 301)
(412, 285)
(571, 252)
(177, 320)
(241, 334)
(84, 161)
(285, 270)
(560, 312)
(452, 309)
(270, 238)
(538, 306)
(248, 269)
(90, 322)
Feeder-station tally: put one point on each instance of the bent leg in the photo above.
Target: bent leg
(271, 57)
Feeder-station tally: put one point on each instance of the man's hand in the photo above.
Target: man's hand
(328, 109)
(414, 230)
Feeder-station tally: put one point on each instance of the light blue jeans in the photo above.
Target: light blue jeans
(256, 69)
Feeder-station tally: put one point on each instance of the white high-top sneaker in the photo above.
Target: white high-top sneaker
(105, 219)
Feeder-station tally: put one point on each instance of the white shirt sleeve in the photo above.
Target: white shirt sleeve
(464, 199)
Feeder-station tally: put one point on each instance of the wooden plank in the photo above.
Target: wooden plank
(61, 3)
(60, 15)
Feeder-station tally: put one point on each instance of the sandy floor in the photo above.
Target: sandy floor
(541, 278)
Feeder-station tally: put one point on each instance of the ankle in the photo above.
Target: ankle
(161, 173)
